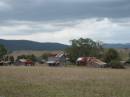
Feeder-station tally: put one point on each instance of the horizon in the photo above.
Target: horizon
(60, 21)
(56, 42)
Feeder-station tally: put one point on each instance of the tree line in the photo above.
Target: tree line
(90, 48)
(82, 47)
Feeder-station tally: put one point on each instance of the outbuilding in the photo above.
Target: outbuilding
(90, 62)
(58, 60)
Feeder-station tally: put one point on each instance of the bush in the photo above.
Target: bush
(128, 61)
(45, 56)
(28, 57)
(116, 64)
(111, 55)
(3, 51)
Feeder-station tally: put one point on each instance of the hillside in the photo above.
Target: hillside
(31, 45)
(118, 45)
(15, 45)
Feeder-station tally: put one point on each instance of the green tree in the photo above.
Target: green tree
(116, 64)
(11, 58)
(84, 47)
(128, 61)
(21, 57)
(6, 58)
(28, 57)
(3, 51)
(31, 57)
(45, 56)
(111, 55)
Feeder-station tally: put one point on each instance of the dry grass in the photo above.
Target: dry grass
(63, 82)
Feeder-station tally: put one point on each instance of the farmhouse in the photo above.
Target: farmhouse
(58, 60)
(90, 62)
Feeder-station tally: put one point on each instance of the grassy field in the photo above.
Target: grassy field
(63, 82)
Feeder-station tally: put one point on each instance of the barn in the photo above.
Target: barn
(24, 62)
(58, 60)
(90, 62)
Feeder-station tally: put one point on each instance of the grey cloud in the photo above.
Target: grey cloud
(50, 16)
(28, 28)
(48, 10)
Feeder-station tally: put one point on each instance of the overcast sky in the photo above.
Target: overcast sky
(64, 20)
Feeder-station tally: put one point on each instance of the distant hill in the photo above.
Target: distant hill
(118, 45)
(14, 45)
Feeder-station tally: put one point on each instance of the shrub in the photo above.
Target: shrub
(128, 61)
(116, 64)
(29, 57)
(111, 55)
(3, 51)
(45, 56)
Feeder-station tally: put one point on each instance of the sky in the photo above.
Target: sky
(63, 20)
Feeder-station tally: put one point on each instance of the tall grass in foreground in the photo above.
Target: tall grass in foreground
(63, 82)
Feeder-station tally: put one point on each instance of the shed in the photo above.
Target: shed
(24, 62)
(90, 62)
(58, 60)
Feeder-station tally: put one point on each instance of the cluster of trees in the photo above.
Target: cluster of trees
(88, 47)
(45, 56)
(112, 57)
(3, 51)
(128, 61)
(84, 47)
(4, 56)
(9, 58)
(34, 58)
(28, 57)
